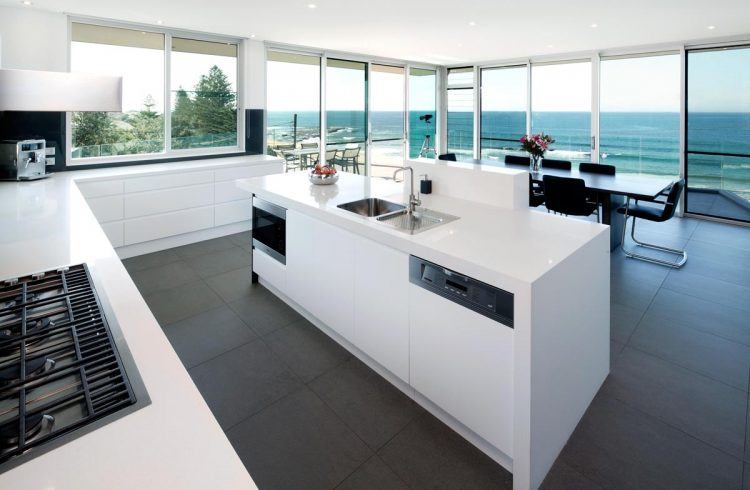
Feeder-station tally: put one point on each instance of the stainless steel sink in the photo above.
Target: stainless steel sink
(371, 206)
(421, 220)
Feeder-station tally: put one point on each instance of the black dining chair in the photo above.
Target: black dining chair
(536, 195)
(658, 211)
(450, 157)
(557, 164)
(597, 168)
(567, 196)
(516, 160)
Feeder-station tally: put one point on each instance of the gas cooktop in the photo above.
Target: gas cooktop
(64, 369)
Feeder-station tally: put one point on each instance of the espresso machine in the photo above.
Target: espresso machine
(23, 160)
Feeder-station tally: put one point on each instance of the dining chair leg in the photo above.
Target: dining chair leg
(682, 254)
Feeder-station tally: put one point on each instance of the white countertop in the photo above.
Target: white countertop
(506, 248)
(175, 442)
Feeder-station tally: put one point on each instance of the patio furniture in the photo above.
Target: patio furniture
(348, 157)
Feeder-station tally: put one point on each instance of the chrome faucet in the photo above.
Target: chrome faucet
(413, 199)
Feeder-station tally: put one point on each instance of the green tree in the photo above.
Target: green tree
(182, 119)
(92, 129)
(214, 105)
(147, 132)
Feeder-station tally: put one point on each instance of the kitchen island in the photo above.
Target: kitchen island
(516, 384)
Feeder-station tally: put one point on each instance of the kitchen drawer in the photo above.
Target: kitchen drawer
(232, 212)
(228, 191)
(166, 181)
(247, 171)
(106, 208)
(271, 270)
(166, 200)
(100, 188)
(114, 233)
(147, 228)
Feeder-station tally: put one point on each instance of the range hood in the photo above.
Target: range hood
(50, 91)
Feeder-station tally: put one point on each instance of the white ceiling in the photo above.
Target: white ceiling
(436, 31)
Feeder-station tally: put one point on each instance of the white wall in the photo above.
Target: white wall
(33, 39)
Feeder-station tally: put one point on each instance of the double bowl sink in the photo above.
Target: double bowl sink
(396, 215)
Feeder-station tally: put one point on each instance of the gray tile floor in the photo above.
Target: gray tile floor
(303, 413)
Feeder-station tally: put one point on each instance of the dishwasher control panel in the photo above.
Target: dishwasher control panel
(475, 295)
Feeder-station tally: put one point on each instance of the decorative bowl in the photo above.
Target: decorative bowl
(319, 179)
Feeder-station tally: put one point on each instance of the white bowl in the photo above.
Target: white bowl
(318, 179)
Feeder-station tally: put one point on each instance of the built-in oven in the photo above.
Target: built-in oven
(269, 229)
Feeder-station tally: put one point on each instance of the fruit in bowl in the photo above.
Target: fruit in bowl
(323, 175)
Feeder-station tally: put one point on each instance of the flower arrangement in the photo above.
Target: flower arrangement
(536, 145)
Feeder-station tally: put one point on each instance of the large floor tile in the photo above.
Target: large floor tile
(204, 247)
(715, 290)
(625, 269)
(702, 407)
(242, 382)
(428, 454)
(746, 480)
(263, 311)
(619, 447)
(707, 316)
(298, 443)
(728, 271)
(172, 305)
(562, 477)
(306, 350)
(680, 227)
(214, 263)
(615, 349)
(234, 284)
(373, 475)
(735, 236)
(243, 240)
(719, 253)
(162, 277)
(147, 261)
(718, 358)
(207, 335)
(370, 406)
(623, 320)
(637, 295)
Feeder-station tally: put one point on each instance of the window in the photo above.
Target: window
(387, 99)
(639, 118)
(561, 107)
(204, 94)
(503, 114)
(460, 122)
(346, 114)
(201, 107)
(718, 133)
(422, 110)
(293, 105)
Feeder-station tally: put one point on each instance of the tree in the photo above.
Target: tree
(147, 130)
(92, 129)
(214, 105)
(182, 119)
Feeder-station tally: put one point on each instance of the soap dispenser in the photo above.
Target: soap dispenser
(425, 185)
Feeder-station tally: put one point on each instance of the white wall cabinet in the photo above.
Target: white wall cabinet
(463, 362)
(381, 299)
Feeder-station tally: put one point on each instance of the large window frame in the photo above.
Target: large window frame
(168, 153)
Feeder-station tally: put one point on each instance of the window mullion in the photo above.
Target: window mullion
(167, 93)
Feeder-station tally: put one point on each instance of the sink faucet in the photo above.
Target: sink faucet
(413, 199)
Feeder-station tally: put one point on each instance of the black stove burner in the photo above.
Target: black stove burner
(33, 366)
(34, 424)
(9, 334)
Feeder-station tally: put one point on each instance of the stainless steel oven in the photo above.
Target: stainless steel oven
(269, 229)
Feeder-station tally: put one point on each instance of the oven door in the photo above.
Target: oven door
(269, 229)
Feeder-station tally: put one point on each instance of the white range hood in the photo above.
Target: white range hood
(51, 91)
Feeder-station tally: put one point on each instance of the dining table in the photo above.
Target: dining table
(613, 190)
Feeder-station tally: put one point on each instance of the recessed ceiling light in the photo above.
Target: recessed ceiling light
(311, 6)
(28, 3)
(550, 45)
(594, 26)
(711, 28)
(472, 23)
(252, 36)
(160, 22)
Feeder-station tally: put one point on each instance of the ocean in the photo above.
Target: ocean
(635, 142)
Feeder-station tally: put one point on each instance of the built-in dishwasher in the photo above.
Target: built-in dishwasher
(461, 349)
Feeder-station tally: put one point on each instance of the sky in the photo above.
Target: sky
(143, 70)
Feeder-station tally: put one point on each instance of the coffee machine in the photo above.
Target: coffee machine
(23, 160)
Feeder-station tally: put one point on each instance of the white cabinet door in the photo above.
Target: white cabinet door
(381, 299)
(463, 362)
(320, 271)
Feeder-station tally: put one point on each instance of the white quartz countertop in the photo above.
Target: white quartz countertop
(175, 442)
(503, 247)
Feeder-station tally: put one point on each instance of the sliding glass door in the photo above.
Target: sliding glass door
(422, 112)
(504, 95)
(387, 119)
(718, 133)
(639, 118)
(460, 123)
(561, 107)
(346, 115)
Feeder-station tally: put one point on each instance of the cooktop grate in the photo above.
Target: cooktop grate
(59, 364)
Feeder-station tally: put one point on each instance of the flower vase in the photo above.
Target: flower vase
(535, 163)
